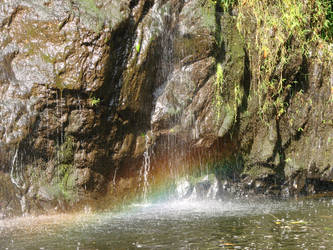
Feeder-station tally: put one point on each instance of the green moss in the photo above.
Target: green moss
(208, 14)
(138, 47)
(64, 184)
(219, 90)
(60, 84)
(61, 187)
(90, 7)
(229, 89)
(48, 58)
(66, 151)
(64, 181)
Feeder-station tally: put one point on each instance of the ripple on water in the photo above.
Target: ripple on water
(180, 224)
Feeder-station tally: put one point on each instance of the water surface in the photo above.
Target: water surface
(259, 224)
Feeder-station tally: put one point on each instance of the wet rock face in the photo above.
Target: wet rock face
(53, 122)
(82, 81)
(9, 204)
(87, 87)
(292, 144)
(309, 156)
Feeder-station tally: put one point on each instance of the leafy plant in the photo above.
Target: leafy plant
(327, 31)
(94, 101)
(284, 30)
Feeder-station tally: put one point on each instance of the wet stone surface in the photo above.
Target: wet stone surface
(88, 87)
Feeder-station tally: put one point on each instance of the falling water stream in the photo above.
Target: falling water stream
(144, 173)
(16, 176)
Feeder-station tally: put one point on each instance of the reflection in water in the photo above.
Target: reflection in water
(181, 225)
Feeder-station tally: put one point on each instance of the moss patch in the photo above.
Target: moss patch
(66, 151)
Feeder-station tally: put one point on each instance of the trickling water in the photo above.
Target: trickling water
(16, 176)
(13, 170)
(144, 173)
(115, 177)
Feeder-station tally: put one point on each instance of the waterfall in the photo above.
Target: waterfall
(162, 24)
